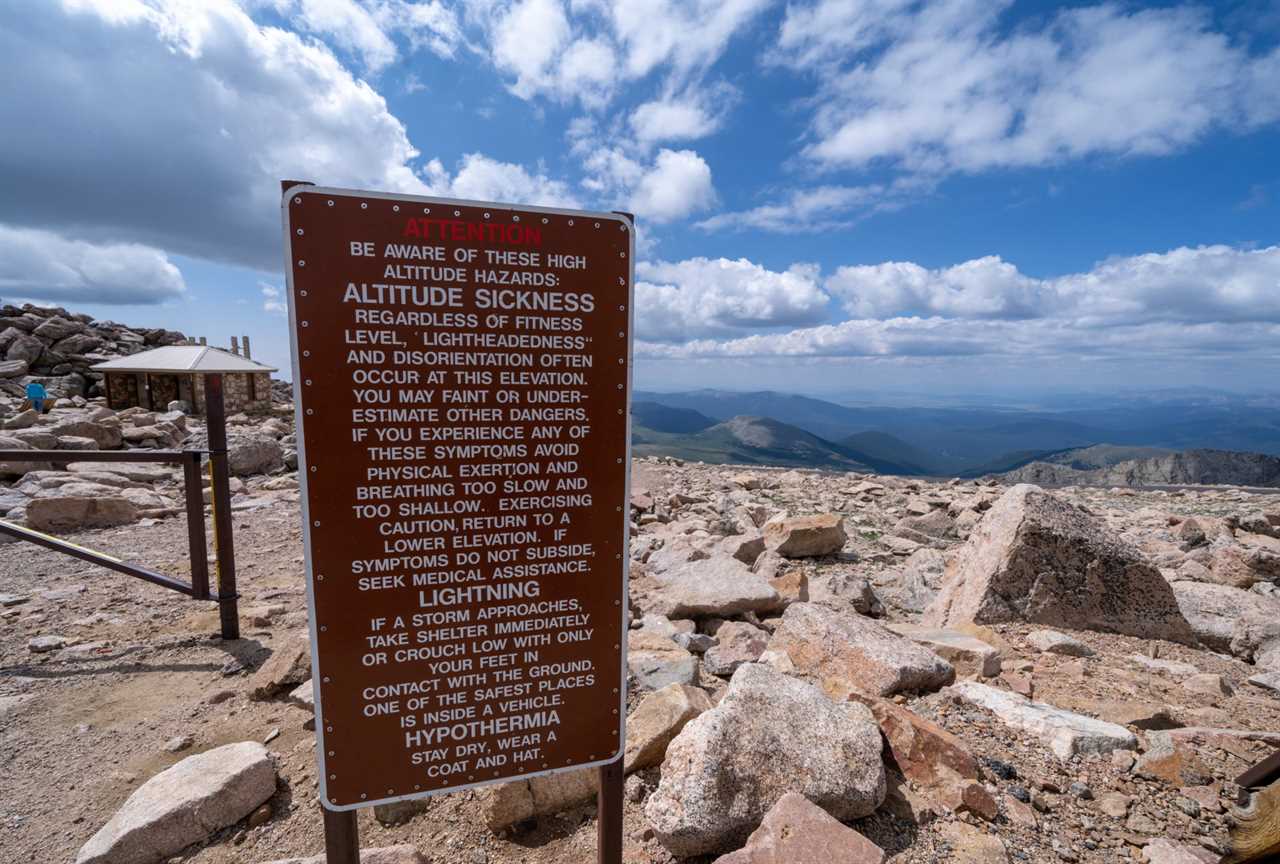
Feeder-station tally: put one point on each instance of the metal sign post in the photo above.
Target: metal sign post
(462, 375)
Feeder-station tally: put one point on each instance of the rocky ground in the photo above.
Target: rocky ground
(954, 670)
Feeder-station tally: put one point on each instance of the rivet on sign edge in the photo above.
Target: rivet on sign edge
(570, 221)
(330, 202)
(457, 212)
(486, 215)
(395, 208)
(544, 222)
(297, 200)
(597, 225)
(516, 218)
(426, 210)
(302, 263)
(303, 293)
(300, 232)
(364, 205)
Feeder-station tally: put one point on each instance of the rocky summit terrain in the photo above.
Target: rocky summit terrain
(824, 666)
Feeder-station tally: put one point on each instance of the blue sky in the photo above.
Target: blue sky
(833, 195)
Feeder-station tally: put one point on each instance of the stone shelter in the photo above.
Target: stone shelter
(176, 373)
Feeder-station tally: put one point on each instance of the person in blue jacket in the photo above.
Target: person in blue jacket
(37, 395)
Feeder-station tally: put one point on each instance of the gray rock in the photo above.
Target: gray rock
(719, 586)
(1267, 681)
(75, 512)
(107, 435)
(655, 661)
(736, 643)
(1214, 610)
(770, 735)
(46, 643)
(969, 655)
(1053, 642)
(184, 804)
(919, 581)
(1066, 733)
(13, 368)
(1037, 558)
(848, 653)
(254, 454)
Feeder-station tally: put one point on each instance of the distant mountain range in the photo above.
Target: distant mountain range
(1161, 468)
(768, 427)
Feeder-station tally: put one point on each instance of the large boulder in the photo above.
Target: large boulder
(797, 831)
(56, 328)
(184, 804)
(657, 719)
(719, 586)
(512, 803)
(1066, 733)
(845, 653)
(65, 513)
(1214, 610)
(107, 435)
(1039, 559)
(771, 734)
(968, 654)
(254, 454)
(13, 368)
(805, 536)
(923, 751)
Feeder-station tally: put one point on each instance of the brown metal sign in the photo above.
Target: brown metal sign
(461, 377)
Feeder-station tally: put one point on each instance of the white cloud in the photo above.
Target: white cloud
(526, 42)
(350, 26)
(1189, 303)
(481, 178)
(1206, 283)
(366, 27)
(939, 87)
(586, 49)
(684, 35)
(807, 209)
(682, 300)
(678, 184)
(681, 118)
(195, 114)
(43, 265)
(272, 299)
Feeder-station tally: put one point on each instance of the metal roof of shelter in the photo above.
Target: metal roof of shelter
(176, 359)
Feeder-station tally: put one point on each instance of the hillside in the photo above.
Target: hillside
(748, 440)
(664, 418)
(1191, 467)
(976, 440)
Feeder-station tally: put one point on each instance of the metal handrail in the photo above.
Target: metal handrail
(192, 492)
